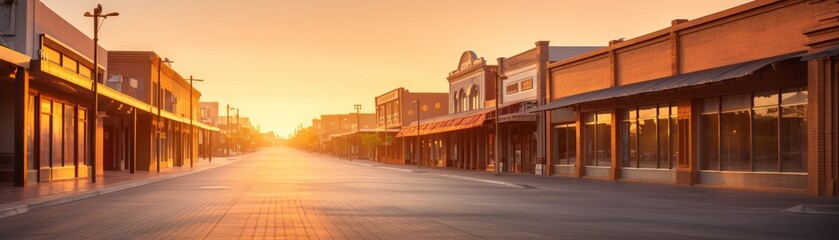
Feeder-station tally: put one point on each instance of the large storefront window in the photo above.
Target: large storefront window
(734, 133)
(83, 151)
(648, 136)
(69, 135)
(44, 133)
(765, 126)
(565, 144)
(62, 134)
(57, 137)
(754, 132)
(598, 139)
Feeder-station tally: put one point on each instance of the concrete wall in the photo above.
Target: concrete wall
(33, 18)
(515, 76)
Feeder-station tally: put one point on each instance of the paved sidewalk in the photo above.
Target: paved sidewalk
(18, 200)
(284, 193)
(782, 201)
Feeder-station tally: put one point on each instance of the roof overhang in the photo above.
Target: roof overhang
(692, 79)
(447, 123)
(14, 57)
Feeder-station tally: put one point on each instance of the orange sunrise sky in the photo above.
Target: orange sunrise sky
(286, 62)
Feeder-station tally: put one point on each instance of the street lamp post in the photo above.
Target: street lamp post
(498, 95)
(229, 131)
(419, 152)
(387, 144)
(159, 99)
(191, 124)
(97, 13)
(383, 111)
(357, 108)
(338, 140)
(238, 134)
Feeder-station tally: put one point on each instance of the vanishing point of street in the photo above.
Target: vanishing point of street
(283, 193)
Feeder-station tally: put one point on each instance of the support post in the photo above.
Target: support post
(210, 145)
(21, 94)
(133, 146)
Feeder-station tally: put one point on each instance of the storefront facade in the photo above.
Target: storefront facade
(168, 137)
(698, 104)
(60, 133)
(397, 109)
(47, 98)
(462, 138)
(522, 78)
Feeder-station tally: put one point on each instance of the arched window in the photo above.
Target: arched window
(464, 104)
(474, 97)
(455, 102)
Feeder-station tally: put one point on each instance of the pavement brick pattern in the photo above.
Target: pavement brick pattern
(283, 193)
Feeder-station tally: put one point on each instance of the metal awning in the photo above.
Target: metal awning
(518, 117)
(446, 123)
(833, 51)
(668, 83)
(363, 130)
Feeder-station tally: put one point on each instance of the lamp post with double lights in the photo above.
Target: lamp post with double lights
(191, 124)
(97, 13)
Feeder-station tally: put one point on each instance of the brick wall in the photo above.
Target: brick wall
(759, 33)
(649, 61)
(752, 31)
(590, 75)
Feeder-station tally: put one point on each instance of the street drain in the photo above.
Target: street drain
(214, 187)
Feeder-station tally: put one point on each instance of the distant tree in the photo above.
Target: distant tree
(371, 141)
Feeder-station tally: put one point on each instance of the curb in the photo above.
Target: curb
(486, 181)
(31, 204)
(814, 209)
(520, 186)
(399, 169)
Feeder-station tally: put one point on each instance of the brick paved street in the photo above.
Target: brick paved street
(282, 193)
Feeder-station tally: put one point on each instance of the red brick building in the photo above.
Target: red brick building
(458, 139)
(522, 81)
(397, 109)
(340, 134)
(743, 98)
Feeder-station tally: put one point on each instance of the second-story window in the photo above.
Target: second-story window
(474, 98)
